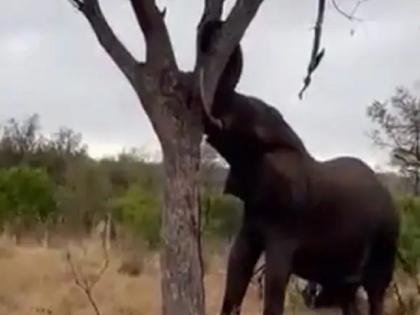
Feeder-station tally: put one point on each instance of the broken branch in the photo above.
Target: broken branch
(317, 54)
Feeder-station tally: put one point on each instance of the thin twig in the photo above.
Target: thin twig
(350, 16)
(317, 53)
(84, 284)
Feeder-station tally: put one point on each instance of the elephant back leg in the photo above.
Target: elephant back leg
(378, 274)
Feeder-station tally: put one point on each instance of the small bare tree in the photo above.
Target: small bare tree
(398, 129)
(171, 100)
(84, 283)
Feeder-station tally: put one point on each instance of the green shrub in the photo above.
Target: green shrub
(26, 194)
(409, 242)
(222, 215)
(139, 209)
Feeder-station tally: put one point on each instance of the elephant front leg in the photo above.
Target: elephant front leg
(278, 259)
(243, 257)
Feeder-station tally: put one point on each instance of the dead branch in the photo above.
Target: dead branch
(125, 61)
(83, 282)
(317, 54)
(210, 67)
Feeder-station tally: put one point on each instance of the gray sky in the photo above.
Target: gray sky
(51, 64)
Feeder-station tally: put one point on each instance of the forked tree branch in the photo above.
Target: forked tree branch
(84, 284)
(209, 68)
(107, 38)
(317, 54)
(159, 52)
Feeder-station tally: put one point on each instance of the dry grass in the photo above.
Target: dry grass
(35, 280)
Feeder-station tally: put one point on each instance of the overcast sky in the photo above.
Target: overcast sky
(51, 64)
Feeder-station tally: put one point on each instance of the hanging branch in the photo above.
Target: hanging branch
(317, 54)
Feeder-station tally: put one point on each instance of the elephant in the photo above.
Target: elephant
(331, 222)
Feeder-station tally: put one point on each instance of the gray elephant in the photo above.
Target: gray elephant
(329, 222)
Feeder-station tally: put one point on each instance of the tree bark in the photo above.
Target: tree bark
(181, 260)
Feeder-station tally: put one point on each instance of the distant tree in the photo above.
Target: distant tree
(84, 195)
(58, 151)
(20, 140)
(66, 142)
(398, 129)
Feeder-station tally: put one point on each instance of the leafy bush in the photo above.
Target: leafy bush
(26, 194)
(409, 243)
(222, 216)
(139, 209)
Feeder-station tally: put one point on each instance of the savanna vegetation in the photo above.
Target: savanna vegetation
(50, 183)
(50, 188)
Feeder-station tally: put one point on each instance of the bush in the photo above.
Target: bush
(26, 194)
(139, 209)
(409, 242)
(222, 215)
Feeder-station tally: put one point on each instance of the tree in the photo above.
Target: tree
(84, 195)
(20, 140)
(170, 99)
(174, 101)
(398, 121)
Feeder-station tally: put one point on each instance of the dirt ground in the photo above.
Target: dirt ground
(37, 280)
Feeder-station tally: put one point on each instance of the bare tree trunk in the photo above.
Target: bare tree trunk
(181, 261)
(106, 237)
(45, 238)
